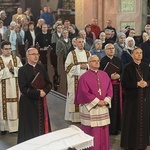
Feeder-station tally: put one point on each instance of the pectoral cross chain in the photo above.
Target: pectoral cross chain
(99, 91)
(98, 83)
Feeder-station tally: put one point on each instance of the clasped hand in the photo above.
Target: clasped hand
(142, 84)
(42, 93)
(83, 66)
(9, 65)
(115, 76)
(102, 103)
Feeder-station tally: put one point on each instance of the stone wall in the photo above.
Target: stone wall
(121, 12)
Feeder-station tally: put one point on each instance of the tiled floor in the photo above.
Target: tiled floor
(56, 104)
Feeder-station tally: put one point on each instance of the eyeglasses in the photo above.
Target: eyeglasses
(7, 48)
(110, 48)
(94, 61)
(34, 54)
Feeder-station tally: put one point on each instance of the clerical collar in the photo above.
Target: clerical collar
(95, 71)
(32, 64)
(44, 32)
(110, 57)
(137, 62)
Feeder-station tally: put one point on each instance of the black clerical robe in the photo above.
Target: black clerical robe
(135, 126)
(32, 110)
(44, 40)
(146, 51)
(116, 103)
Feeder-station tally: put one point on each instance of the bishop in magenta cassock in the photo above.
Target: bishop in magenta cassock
(93, 94)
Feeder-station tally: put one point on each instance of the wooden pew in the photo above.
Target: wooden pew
(62, 88)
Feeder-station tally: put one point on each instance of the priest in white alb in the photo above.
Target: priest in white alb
(9, 95)
(75, 66)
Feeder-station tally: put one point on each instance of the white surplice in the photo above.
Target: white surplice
(73, 71)
(12, 92)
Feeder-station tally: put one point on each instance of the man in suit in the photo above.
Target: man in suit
(30, 35)
(87, 41)
(43, 38)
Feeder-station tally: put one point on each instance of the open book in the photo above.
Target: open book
(38, 82)
(111, 68)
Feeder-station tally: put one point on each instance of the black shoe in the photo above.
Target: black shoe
(3, 132)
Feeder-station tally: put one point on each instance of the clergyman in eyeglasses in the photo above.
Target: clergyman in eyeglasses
(33, 112)
(93, 94)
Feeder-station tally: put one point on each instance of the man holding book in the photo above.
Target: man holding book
(34, 85)
(113, 66)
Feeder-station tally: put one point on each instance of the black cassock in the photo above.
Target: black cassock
(135, 126)
(116, 103)
(31, 107)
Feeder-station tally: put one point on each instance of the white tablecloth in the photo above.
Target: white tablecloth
(58, 140)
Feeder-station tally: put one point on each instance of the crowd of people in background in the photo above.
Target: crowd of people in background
(107, 46)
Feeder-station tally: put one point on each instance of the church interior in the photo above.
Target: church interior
(79, 13)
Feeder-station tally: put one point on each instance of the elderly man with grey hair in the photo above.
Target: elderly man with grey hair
(87, 41)
(116, 110)
(33, 111)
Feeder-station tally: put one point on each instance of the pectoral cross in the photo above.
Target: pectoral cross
(99, 91)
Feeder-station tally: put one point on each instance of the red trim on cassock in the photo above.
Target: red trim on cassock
(46, 116)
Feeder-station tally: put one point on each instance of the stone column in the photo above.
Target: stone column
(85, 10)
(109, 12)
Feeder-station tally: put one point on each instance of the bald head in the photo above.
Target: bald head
(32, 56)
(30, 49)
(109, 50)
(94, 62)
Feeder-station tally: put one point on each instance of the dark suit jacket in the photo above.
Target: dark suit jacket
(43, 40)
(146, 51)
(126, 58)
(29, 38)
